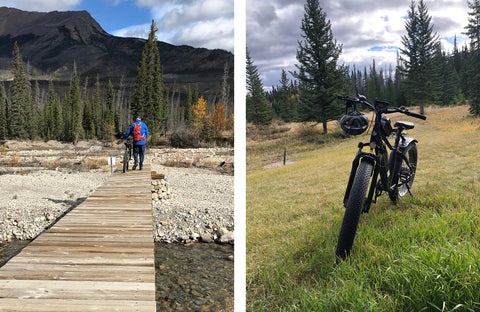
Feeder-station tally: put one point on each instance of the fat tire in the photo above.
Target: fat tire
(411, 153)
(353, 209)
(125, 162)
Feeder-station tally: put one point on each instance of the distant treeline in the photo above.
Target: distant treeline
(30, 109)
(424, 74)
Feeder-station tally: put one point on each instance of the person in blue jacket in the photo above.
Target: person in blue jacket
(140, 133)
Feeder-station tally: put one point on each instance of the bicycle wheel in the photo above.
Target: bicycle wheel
(353, 209)
(403, 179)
(125, 161)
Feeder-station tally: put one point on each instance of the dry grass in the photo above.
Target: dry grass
(266, 145)
(14, 160)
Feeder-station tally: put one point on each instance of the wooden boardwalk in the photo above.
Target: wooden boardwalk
(99, 257)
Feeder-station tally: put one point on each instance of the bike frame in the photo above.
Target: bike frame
(384, 166)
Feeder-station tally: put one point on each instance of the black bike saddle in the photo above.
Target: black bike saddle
(404, 125)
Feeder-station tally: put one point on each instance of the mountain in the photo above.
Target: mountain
(50, 42)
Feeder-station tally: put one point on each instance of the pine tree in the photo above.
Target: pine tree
(20, 107)
(188, 112)
(97, 109)
(287, 100)
(374, 84)
(319, 75)
(109, 114)
(74, 130)
(57, 115)
(473, 32)
(3, 114)
(52, 122)
(149, 98)
(419, 48)
(257, 107)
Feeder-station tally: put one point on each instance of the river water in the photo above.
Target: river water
(193, 277)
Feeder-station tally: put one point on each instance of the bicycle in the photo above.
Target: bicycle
(127, 156)
(392, 174)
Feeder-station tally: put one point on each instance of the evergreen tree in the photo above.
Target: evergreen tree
(287, 100)
(257, 107)
(109, 114)
(419, 48)
(188, 112)
(374, 84)
(74, 130)
(3, 114)
(319, 76)
(52, 124)
(473, 32)
(97, 109)
(149, 98)
(57, 114)
(20, 107)
(36, 107)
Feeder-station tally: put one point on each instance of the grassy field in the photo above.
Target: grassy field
(422, 254)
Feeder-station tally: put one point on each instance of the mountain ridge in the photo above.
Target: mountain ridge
(52, 41)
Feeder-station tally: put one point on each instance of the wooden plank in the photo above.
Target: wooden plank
(98, 257)
(49, 305)
(76, 290)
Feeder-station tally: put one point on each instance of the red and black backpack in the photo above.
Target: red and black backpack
(137, 136)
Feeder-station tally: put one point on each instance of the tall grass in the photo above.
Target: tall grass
(419, 255)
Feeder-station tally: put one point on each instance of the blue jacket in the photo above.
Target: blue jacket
(143, 132)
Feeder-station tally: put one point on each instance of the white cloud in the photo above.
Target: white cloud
(40, 5)
(218, 33)
(137, 31)
(199, 23)
(367, 30)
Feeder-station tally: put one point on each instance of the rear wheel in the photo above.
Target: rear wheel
(125, 161)
(353, 209)
(405, 175)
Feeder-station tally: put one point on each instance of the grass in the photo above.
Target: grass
(419, 255)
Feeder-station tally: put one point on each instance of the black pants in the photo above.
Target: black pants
(139, 150)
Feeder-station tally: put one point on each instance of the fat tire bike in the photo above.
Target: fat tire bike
(377, 171)
(127, 155)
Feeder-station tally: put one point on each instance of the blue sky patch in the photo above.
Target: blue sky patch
(383, 48)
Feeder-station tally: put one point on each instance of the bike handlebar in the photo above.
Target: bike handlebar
(415, 115)
(363, 100)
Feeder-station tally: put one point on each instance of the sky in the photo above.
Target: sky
(198, 23)
(367, 30)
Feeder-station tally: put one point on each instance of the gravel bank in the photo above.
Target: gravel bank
(30, 202)
(201, 208)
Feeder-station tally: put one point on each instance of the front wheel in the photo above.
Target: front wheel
(403, 179)
(353, 209)
(125, 161)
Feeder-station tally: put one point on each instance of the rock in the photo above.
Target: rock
(227, 238)
(207, 239)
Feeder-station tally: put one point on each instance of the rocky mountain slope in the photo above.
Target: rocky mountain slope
(50, 42)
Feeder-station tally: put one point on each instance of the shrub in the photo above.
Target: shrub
(184, 139)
